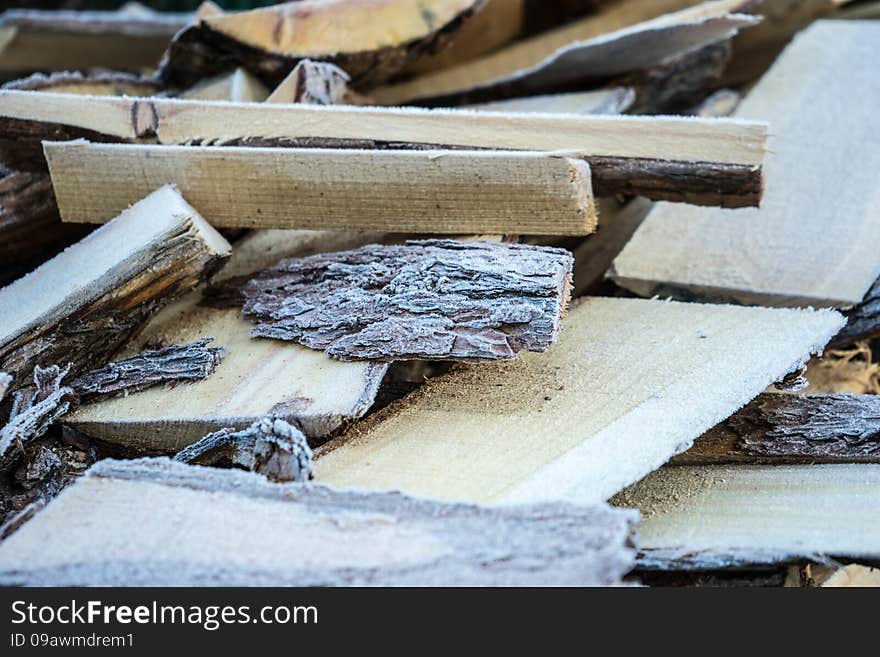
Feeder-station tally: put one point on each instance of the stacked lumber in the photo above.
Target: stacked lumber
(345, 292)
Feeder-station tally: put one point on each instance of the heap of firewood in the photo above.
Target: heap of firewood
(515, 259)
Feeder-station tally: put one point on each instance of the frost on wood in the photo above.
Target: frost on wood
(178, 363)
(34, 410)
(243, 530)
(790, 428)
(432, 299)
(5, 381)
(270, 446)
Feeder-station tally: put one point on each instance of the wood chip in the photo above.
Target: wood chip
(597, 47)
(270, 446)
(431, 300)
(87, 302)
(32, 40)
(781, 253)
(242, 530)
(703, 161)
(453, 192)
(734, 516)
(371, 41)
(629, 384)
(788, 428)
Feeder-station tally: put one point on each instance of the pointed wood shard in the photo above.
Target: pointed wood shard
(315, 83)
(242, 530)
(594, 48)
(432, 300)
(780, 253)
(630, 383)
(454, 192)
(736, 516)
(862, 320)
(88, 301)
(371, 40)
(702, 161)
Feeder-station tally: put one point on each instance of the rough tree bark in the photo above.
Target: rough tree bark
(790, 428)
(270, 446)
(434, 299)
(863, 320)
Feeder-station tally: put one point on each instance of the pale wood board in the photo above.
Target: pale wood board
(603, 101)
(256, 377)
(238, 86)
(85, 302)
(629, 384)
(623, 37)
(733, 516)
(153, 522)
(381, 190)
(853, 576)
(812, 240)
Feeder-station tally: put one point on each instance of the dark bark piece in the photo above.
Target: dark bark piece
(270, 446)
(86, 323)
(175, 364)
(862, 321)
(212, 46)
(368, 538)
(789, 428)
(34, 411)
(30, 228)
(432, 299)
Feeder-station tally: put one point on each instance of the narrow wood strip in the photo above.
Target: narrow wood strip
(242, 530)
(451, 192)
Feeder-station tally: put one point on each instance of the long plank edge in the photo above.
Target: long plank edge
(403, 191)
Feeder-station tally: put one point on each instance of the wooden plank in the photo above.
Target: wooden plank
(630, 383)
(486, 300)
(733, 516)
(255, 378)
(32, 40)
(238, 87)
(616, 100)
(789, 428)
(89, 300)
(372, 41)
(674, 158)
(783, 253)
(98, 83)
(122, 524)
(621, 38)
(404, 191)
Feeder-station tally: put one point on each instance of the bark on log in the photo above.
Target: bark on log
(170, 365)
(30, 227)
(372, 42)
(434, 299)
(366, 538)
(862, 320)
(82, 305)
(790, 428)
(270, 446)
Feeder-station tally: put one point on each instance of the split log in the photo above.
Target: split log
(431, 300)
(779, 254)
(88, 301)
(238, 86)
(613, 42)
(717, 162)
(102, 83)
(76, 40)
(195, 361)
(862, 320)
(630, 383)
(371, 40)
(736, 516)
(270, 447)
(255, 379)
(243, 530)
(30, 226)
(788, 428)
(615, 100)
(316, 83)
(453, 192)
